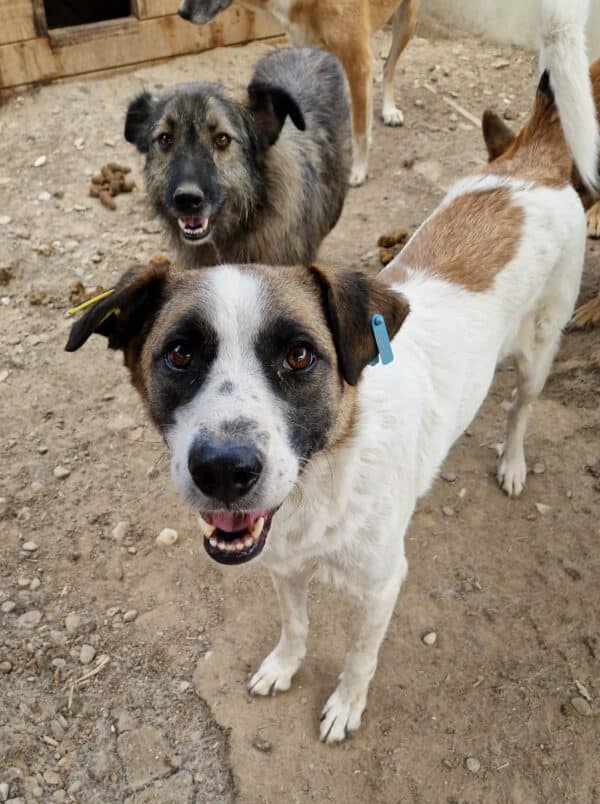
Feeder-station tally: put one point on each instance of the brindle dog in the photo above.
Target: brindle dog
(234, 180)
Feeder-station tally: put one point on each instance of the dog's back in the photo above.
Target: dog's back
(315, 162)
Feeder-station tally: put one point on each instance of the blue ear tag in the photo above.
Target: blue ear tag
(382, 339)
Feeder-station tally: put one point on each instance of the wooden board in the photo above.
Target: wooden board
(35, 61)
(16, 21)
(146, 9)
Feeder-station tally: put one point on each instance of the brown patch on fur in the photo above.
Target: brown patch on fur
(587, 316)
(539, 151)
(467, 242)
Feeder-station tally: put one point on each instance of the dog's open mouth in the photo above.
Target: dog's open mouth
(233, 537)
(195, 227)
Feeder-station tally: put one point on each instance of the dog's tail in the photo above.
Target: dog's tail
(563, 56)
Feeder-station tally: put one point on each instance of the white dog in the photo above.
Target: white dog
(283, 436)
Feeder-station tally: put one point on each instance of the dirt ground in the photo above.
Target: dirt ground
(511, 588)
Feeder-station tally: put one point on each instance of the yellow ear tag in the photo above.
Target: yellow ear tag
(92, 302)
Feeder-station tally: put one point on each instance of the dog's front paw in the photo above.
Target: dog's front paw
(358, 175)
(512, 475)
(341, 716)
(274, 675)
(392, 116)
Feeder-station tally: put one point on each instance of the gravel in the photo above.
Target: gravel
(472, 765)
(430, 638)
(130, 616)
(167, 537)
(87, 654)
(31, 619)
(29, 547)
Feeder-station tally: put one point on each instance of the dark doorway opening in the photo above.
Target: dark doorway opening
(69, 13)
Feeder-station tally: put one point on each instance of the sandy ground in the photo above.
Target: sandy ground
(511, 589)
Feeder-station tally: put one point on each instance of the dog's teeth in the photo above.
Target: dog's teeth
(248, 542)
(207, 530)
(239, 546)
(213, 542)
(257, 528)
(222, 546)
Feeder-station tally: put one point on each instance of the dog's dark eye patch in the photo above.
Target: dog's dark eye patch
(274, 340)
(168, 389)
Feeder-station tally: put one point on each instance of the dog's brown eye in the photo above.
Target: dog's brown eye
(165, 141)
(299, 358)
(179, 357)
(222, 140)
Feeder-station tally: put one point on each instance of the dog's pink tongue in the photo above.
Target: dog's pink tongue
(194, 222)
(232, 521)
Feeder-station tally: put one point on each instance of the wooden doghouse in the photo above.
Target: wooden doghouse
(43, 40)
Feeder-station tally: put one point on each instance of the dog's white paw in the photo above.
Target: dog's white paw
(358, 175)
(392, 116)
(274, 675)
(341, 716)
(512, 475)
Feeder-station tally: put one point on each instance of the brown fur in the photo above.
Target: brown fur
(467, 242)
(505, 148)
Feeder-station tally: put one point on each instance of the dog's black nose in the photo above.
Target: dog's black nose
(184, 12)
(224, 471)
(188, 199)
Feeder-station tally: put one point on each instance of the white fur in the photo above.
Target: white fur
(349, 523)
(563, 53)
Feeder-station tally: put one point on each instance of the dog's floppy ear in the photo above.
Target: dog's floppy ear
(137, 122)
(351, 299)
(269, 106)
(497, 135)
(125, 316)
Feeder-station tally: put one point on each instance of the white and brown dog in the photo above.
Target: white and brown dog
(285, 439)
(344, 28)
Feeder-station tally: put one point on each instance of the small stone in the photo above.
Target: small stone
(35, 584)
(29, 547)
(79, 143)
(23, 582)
(539, 467)
(59, 663)
(184, 686)
(261, 744)
(44, 196)
(5, 668)
(449, 477)
(430, 638)
(86, 654)
(60, 472)
(74, 788)
(120, 531)
(472, 765)
(8, 606)
(52, 778)
(130, 616)
(72, 622)
(58, 796)
(581, 689)
(113, 611)
(447, 763)
(543, 509)
(4, 791)
(31, 619)
(581, 706)
(448, 510)
(5, 220)
(167, 537)
(40, 161)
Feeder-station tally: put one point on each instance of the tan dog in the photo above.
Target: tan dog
(502, 142)
(344, 28)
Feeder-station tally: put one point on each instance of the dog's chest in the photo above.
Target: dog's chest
(287, 14)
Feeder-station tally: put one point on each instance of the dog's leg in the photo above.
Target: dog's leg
(403, 27)
(276, 672)
(533, 365)
(359, 69)
(343, 711)
(593, 221)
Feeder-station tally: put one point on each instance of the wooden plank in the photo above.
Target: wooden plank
(157, 8)
(34, 61)
(61, 37)
(16, 21)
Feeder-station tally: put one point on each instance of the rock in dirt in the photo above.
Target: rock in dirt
(261, 744)
(4, 789)
(539, 467)
(543, 509)
(472, 765)
(581, 706)
(449, 477)
(40, 161)
(130, 616)
(167, 537)
(52, 778)
(448, 510)
(61, 472)
(8, 606)
(430, 638)
(5, 668)
(72, 622)
(29, 547)
(120, 531)
(86, 654)
(31, 619)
